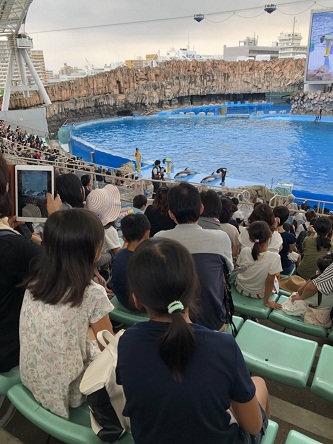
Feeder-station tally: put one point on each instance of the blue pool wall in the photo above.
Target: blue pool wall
(89, 153)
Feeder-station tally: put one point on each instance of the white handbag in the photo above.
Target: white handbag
(295, 308)
(105, 397)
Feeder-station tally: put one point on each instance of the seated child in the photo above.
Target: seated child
(183, 383)
(135, 228)
(258, 266)
(315, 309)
(106, 204)
(281, 213)
(60, 303)
(139, 203)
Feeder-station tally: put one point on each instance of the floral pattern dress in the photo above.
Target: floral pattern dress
(55, 347)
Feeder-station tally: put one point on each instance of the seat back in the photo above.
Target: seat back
(215, 304)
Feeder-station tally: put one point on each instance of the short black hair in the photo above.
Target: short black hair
(226, 210)
(69, 188)
(211, 202)
(184, 203)
(85, 179)
(134, 226)
(282, 213)
(139, 201)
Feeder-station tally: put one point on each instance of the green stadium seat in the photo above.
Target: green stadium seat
(296, 323)
(254, 308)
(9, 379)
(322, 384)
(270, 433)
(238, 321)
(297, 438)
(330, 335)
(124, 316)
(75, 431)
(284, 292)
(276, 355)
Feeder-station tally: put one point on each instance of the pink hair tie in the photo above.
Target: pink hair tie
(256, 241)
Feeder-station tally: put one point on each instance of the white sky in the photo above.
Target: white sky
(117, 43)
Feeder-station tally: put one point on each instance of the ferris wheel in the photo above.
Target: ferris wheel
(13, 14)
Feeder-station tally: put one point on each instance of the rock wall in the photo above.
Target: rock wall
(167, 85)
(309, 103)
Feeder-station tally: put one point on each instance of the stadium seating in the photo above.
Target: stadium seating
(275, 355)
(322, 384)
(297, 438)
(75, 431)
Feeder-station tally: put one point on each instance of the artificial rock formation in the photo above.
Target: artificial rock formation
(169, 84)
(309, 103)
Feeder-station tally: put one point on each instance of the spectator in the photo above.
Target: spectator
(106, 204)
(70, 190)
(135, 229)
(139, 204)
(265, 213)
(86, 183)
(227, 226)
(16, 253)
(211, 250)
(209, 219)
(60, 303)
(198, 376)
(315, 247)
(258, 266)
(157, 213)
(289, 240)
(303, 226)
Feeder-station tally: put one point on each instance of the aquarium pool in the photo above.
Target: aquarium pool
(263, 149)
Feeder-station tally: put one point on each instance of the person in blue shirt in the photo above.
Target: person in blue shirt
(139, 203)
(135, 229)
(183, 382)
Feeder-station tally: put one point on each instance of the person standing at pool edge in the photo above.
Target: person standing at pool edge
(137, 156)
(157, 173)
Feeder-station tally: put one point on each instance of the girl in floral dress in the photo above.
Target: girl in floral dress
(60, 303)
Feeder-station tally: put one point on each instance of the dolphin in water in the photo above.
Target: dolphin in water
(185, 173)
(210, 178)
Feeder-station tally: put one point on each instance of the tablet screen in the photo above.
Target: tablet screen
(31, 193)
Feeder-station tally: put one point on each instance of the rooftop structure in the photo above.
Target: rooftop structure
(249, 49)
(290, 45)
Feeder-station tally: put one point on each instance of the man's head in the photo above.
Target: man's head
(212, 203)
(140, 202)
(135, 228)
(184, 203)
(85, 180)
(157, 162)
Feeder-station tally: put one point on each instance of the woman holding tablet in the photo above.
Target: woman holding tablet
(16, 253)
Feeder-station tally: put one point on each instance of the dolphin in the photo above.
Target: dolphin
(210, 178)
(185, 173)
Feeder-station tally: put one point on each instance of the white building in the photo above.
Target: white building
(290, 45)
(36, 56)
(249, 49)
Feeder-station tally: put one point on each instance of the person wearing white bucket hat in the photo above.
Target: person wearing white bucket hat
(106, 204)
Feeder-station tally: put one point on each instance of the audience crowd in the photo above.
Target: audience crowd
(173, 262)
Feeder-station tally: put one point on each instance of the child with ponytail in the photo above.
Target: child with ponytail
(182, 381)
(258, 266)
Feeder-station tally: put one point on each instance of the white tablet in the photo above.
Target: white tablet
(32, 182)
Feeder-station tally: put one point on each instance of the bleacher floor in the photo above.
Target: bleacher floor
(291, 408)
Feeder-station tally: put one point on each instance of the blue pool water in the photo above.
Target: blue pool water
(255, 149)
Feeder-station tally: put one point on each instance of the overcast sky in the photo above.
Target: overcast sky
(116, 43)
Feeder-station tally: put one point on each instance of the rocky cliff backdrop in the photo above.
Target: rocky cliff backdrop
(172, 84)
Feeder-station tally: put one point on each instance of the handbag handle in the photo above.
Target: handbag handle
(106, 335)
